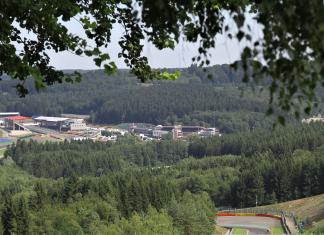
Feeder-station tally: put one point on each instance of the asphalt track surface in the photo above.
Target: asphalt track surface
(258, 231)
(254, 224)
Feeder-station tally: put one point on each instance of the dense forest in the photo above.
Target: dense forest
(159, 187)
(156, 187)
(193, 99)
(55, 160)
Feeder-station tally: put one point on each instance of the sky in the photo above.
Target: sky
(226, 51)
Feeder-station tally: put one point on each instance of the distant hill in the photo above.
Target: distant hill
(221, 74)
(193, 99)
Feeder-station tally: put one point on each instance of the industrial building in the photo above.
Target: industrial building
(8, 114)
(177, 131)
(74, 125)
(50, 122)
(75, 116)
(158, 132)
(16, 123)
(116, 131)
(4, 115)
(61, 123)
(141, 131)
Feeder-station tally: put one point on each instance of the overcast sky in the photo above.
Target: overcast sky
(226, 51)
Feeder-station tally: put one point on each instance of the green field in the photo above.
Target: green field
(316, 228)
(310, 207)
(220, 230)
(277, 231)
(239, 231)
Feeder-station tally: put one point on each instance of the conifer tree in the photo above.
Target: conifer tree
(7, 217)
(38, 200)
(22, 217)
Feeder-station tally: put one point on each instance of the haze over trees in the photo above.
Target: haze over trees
(191, 100)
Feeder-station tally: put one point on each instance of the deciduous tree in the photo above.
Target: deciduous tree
(291, 46)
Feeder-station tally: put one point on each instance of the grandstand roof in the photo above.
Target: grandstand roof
(5, 114)
(17, 118)
(50, 119)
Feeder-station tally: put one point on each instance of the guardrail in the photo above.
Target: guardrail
(285, 225)
(248, 214)
(258, 211)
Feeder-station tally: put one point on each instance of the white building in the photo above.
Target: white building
(317, 118)
(209, 132)
(8, 114)
(79, 138)
(157, 133)
(61, 123)
(116, 130)
(75, 125)
(78, 126)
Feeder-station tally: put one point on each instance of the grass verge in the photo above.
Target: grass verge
(239, 231)
(310, 210)
(220, 230)
(277, 231)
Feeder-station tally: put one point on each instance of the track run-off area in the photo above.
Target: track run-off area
(251, 223)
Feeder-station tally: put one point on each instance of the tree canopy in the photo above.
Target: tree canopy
(291, 48)
(164, 187)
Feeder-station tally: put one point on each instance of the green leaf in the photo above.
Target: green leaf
(170, 76)
(88, 53)
(96, 51)
(240, 35)
(97, 61)
(110, 68)
(38, 78)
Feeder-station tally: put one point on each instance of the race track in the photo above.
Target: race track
(254, 224)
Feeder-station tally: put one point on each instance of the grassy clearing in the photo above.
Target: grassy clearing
(220, 230)
(239, 231)
(277, 231)
(317, 228)
(310, 207)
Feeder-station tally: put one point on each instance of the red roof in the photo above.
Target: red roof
(17, 118)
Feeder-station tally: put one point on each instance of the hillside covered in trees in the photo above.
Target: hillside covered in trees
(193, 99)
(158, 187)
(164, 187)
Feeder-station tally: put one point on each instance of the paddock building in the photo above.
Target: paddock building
(16, 123)
(4, 115)
(61, 123)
